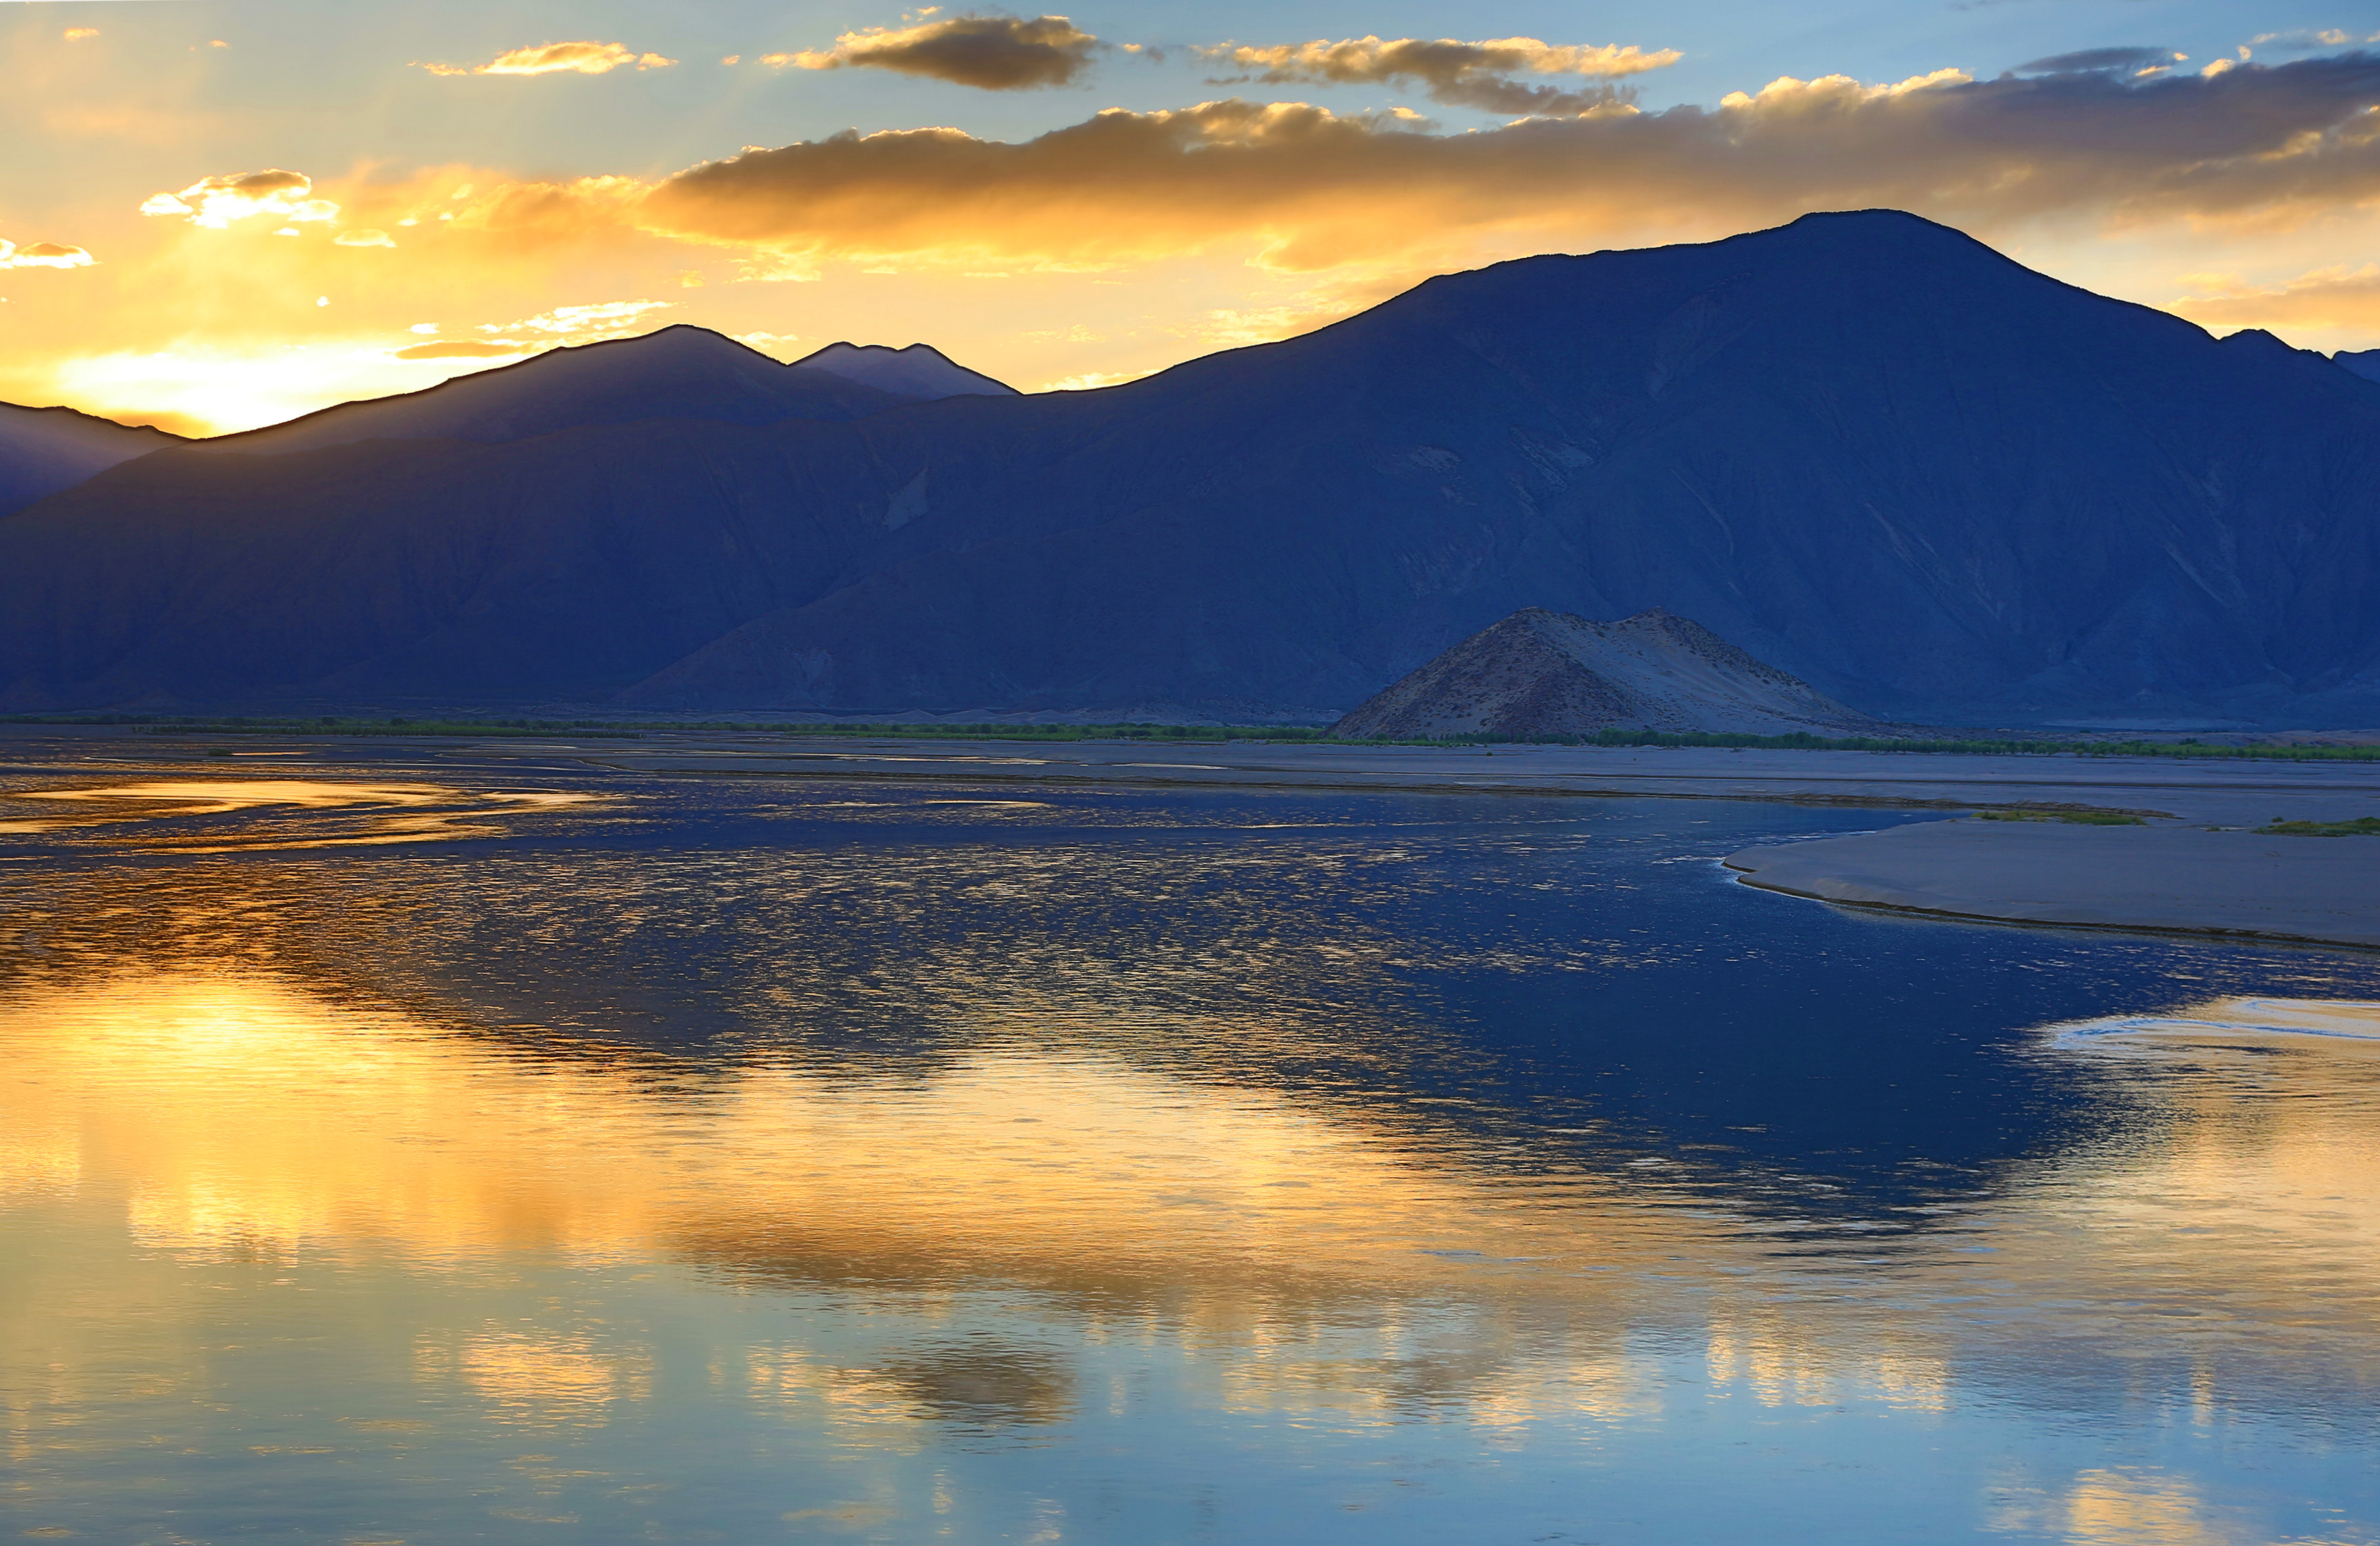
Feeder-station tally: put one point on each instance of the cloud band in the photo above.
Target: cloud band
(1319, 188)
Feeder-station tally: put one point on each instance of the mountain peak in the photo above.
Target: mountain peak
(919, 371)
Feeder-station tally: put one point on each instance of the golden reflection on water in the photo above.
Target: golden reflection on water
(2259, 1202)
(241, 1108)
(243, 1117)
(333, 814)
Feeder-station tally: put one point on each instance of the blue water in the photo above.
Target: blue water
(756, 1160)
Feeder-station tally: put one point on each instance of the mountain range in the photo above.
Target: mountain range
(1927, 481)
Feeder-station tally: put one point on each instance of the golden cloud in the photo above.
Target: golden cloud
(1461, 74)
(2307, 40)
(43, 254)
(584, 58)
(77, 34)
(215, 202)
(1311, 190)
(2337, 297)
(1315, 190)
(993, 53)
(365, 236)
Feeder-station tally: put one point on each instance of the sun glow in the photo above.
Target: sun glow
(204, 390)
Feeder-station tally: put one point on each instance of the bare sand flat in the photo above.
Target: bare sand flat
(2144, 877)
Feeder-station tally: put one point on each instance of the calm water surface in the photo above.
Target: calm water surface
(751, 1161)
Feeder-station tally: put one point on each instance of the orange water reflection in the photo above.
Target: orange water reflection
(243, 1115)
(332, 813)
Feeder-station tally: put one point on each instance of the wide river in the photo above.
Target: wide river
(633, 1158)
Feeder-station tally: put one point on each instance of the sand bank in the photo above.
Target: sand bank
(2164, 877)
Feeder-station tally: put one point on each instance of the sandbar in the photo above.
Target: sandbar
(2158, 877)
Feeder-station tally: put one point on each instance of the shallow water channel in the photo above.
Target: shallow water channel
(747, 1160)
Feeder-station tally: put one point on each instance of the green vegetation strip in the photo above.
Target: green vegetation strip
(2076, 818)
(2362, 826)
(332, 724)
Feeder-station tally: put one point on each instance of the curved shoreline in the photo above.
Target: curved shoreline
(2162, 879)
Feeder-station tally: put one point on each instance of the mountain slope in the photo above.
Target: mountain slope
(1864, 448)
(1540, 672)
(677, 372)
(44, 450)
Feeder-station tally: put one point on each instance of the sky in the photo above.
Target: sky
(221, 214)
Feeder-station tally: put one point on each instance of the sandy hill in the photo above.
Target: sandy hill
(1541, 673)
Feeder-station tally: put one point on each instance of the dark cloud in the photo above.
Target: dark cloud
(1459, 74)
(2125, 59)
(992, 53)
(1316, 189)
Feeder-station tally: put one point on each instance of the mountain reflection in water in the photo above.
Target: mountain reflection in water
(1123, 1234)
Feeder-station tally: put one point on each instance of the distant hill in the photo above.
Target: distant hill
(2363, 362)
(44, 450)
(919, 371)
(1864, 448)
(677, 372)
(1540, 672)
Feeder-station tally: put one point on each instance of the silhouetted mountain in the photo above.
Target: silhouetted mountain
(44, 450)
(678, 372)
(1866, 449)
(919, 371)
(2363, 362)
(1540, 672)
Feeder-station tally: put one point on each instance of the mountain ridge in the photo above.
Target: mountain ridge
(681, 371)
(48, 450)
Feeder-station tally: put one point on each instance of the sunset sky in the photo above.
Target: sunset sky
(220, 213)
